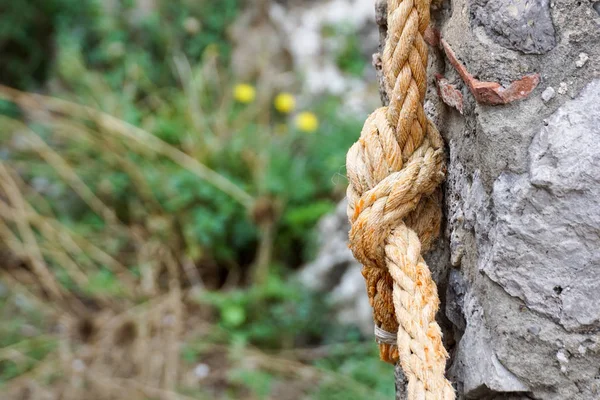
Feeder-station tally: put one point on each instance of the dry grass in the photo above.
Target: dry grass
(112, 347)
(118, 347)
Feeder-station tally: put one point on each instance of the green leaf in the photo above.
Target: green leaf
(233, 315)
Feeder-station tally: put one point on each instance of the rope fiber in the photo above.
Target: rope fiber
(394, 171)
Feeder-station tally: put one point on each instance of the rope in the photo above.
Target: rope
(394, 170)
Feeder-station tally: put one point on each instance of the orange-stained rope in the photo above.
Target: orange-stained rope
(395, 170)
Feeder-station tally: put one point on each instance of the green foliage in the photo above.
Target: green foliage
(301, 171)
(260, 383)
(27, 31)
(104, 282)
(279, 316)
(361, 366)
(152, 39)
(274, 315)
(350, 371)
(124, 61)
(350, 59)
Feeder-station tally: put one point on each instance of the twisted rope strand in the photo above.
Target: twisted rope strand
(395, 170)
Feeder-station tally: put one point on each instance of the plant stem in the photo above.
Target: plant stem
(265, 251)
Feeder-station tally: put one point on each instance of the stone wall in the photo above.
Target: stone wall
(520, 257)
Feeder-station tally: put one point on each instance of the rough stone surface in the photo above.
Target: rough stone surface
(523, 25)
(477, 369)
(549, 218)
(523, 219)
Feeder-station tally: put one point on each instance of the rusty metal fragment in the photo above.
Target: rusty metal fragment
(492, 92)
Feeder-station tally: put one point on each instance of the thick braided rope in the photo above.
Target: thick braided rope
(394, 170)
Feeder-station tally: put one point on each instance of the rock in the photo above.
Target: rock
(475, 363)
(401, 383)
(550, 217)
(259, 48)
(273, 39)
(455, 301)
(523, 25)
(201, 371)
(583, 58)
(563, 88)
(548, 94)
(522, 216)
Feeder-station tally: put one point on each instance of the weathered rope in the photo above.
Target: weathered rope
(394, 170)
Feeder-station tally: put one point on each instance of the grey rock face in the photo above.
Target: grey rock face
(523, 217)
(546, 249)
(476, 365)
(523, 25)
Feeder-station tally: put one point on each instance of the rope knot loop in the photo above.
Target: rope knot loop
(385, 188)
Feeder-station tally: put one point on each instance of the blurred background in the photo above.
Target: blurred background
(170, 172)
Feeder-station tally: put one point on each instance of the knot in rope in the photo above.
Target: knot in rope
(386, 187)
(394, 171)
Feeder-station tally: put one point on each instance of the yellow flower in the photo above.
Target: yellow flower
(244, 93)
(307, 121)
(284, 103)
